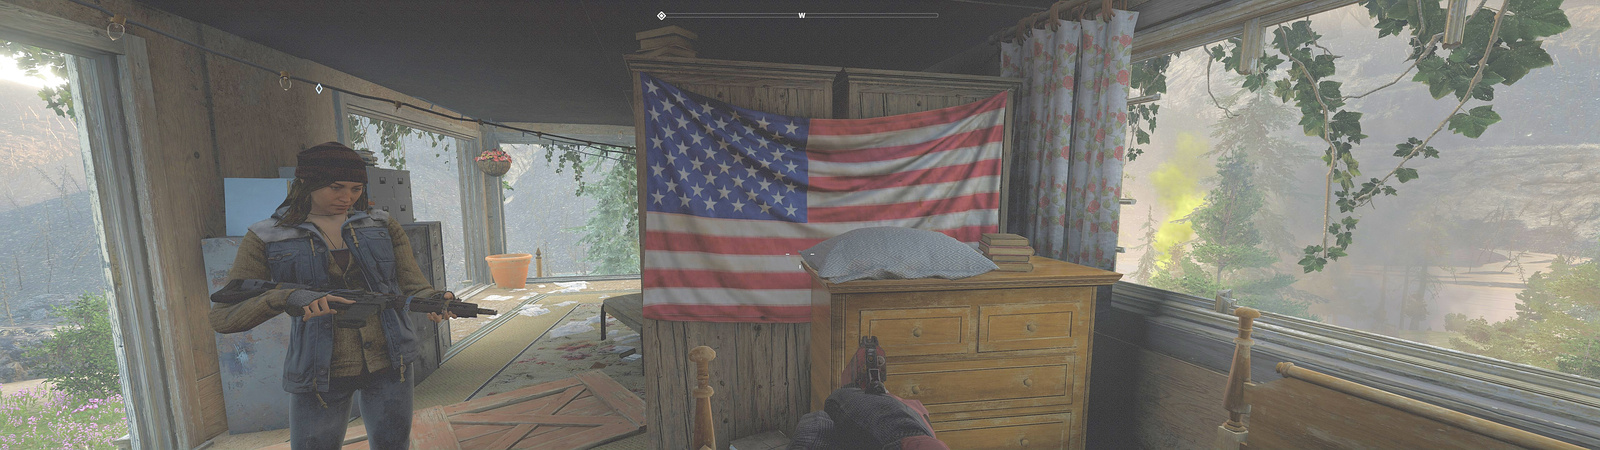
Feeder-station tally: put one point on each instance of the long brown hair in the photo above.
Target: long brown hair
(299, 201)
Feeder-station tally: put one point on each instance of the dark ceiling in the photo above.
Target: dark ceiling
(561, 61)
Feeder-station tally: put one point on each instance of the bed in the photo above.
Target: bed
(1310, 410)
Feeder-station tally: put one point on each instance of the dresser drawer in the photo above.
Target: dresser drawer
(992, 384)
(912, 332)
(1027, 326)
(1048, 431)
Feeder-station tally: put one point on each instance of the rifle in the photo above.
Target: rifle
(352, 315)
(867, 370)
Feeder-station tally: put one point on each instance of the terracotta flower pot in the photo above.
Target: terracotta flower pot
(510, 270)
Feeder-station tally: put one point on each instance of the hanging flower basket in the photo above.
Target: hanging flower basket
(494, 162)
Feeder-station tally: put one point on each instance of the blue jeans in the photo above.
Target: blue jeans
(385, 408)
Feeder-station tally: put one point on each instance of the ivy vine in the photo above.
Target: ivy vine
(1500, 47)
(1150, 78)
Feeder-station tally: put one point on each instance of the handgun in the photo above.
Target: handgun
(867, 370)
(352, 315)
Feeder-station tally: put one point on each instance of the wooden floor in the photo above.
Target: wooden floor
(470, 366)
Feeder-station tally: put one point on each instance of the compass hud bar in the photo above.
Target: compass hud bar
(796, 15)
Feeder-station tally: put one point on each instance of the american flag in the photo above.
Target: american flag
(733, 195)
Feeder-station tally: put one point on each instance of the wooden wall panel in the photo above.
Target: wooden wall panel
(1177, 405)
(216, 118)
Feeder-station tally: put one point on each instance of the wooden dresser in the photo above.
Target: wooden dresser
(1001, 360)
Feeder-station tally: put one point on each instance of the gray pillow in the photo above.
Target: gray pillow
(881, 253)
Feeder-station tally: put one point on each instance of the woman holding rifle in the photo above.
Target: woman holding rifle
(324, 235)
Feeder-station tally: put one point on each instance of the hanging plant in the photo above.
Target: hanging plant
(494, 162)
(1500, 47)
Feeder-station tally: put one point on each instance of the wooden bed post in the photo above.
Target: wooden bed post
(705, 434)
(1231, 435)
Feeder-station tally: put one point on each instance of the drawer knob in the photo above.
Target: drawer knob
(1032, 328)
(1027, 382)
(1024, 442)
(916, 389)
(916, 332)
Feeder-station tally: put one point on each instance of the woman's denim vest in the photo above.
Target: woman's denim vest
(299, 255)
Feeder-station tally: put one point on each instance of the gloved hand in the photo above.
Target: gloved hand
(865, 421)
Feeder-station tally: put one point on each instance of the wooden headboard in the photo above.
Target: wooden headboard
(1306, 409)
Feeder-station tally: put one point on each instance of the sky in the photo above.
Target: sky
(10, 72)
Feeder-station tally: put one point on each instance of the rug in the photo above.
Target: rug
(573, 347)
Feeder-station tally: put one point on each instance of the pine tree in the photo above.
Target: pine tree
(1228, 253)
(1147, 260)
(1255, 131)
(612, 231)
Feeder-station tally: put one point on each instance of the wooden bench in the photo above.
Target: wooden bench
(628, 309)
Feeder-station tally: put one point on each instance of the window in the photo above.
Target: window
(1491, 250)
(434, 163)
(55, 291)
(578, 235)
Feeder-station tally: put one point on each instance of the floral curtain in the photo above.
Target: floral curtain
(1066, 171)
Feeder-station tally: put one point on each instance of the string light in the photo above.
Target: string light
(118, 27)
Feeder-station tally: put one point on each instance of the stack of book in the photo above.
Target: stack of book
(1009, 251)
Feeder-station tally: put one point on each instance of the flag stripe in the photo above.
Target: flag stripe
(733, 228)
(825, 127)
(974, 138)
(668, 259)
(944, 174)
(730, 313)
(908, 209)
(688, 242)
(955, 157)
(724, 297)
(889, 197)
(679, 278)
(685, 243)
(856, 142)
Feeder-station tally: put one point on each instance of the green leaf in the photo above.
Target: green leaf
(1533, 19)
(1405, 174)
(1284, 89)
(1472, 124)
(1514, 62)
(1405, 149)
(1476, 37)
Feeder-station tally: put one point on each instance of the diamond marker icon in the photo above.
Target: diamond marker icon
(661, 15)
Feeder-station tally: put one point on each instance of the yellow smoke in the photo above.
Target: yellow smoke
(1177, 183)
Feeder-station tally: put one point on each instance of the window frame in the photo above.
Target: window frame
(116, 114)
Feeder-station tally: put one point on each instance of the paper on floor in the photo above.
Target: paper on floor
(633, 357)
(565, 303)
(620, 349)
(571, 328)
(533, 310)
(572, 286)
(496, 298)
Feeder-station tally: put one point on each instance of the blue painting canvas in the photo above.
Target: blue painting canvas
(249, 200)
